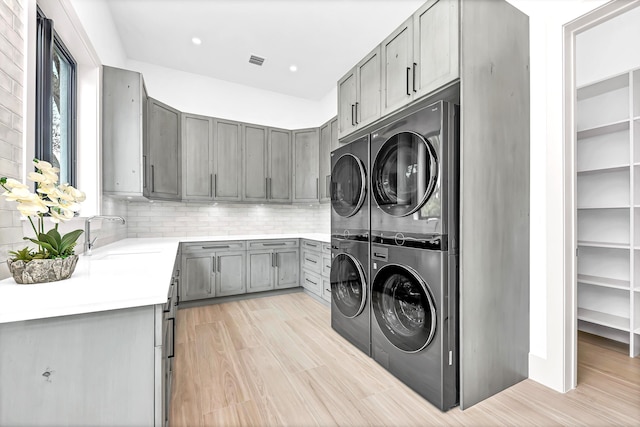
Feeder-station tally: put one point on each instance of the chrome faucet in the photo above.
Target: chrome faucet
(88, 243)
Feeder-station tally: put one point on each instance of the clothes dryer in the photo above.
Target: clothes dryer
(414, 312)
(350, 315)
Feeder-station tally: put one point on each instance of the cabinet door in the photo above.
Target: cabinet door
(326, 289)
(197, 152)
(227, 179)
(368, 89)
(397, 68)
(260, 266)
(230, 273)
(164, 151)
(197, 283)
(347, 103)
(435, 45)
(287, 268)
(305, 150)
(325, 162)
(280, 165)
(255, 155)
(122, 131)
(334, 134)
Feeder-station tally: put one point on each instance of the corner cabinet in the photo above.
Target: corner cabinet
(124, 118)
(164, 163)
(608, 208)
(212, 269)
(306, 165)
(197, 158)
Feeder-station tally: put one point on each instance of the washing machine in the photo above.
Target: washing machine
(349, 191)
(350, 314)
(414, 312)
(413, 177)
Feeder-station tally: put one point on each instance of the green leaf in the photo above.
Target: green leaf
(45, 245)
(69, 240)
(22, 255)
(54, 233)
(50, 240)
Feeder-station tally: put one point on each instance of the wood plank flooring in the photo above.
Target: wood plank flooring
(275, 361)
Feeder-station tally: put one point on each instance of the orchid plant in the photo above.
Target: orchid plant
(57, 202)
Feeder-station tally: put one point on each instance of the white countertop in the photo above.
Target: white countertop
(124, 274)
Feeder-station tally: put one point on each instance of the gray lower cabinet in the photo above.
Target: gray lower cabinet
(272, 264)
(227, 161)
(305, 157)
(106, 368)
(315, 262)
(312, 282)
(212, 269)
(197, 158)
(165, 168)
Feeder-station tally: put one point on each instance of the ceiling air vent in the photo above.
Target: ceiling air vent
(256, 60)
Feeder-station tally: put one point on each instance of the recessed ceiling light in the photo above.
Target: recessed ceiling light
(293, 68)
(196, 41)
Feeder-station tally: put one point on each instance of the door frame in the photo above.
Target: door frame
(570, 31)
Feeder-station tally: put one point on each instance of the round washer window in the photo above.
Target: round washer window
(404, 175)
(348, 286)
(348, 185)
(403, 308)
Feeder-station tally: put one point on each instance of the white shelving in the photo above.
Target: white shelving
(608, 203)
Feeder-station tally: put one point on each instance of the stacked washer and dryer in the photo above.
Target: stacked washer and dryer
(406, 286)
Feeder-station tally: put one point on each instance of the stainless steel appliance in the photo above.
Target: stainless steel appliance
(350, 314)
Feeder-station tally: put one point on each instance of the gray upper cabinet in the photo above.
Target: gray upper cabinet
(435, 45)
(165, 169)
(197, 157)
(306, 165)
(325, 161)
(334, 133)
(255, 164)
(123, 129)
(359, 94)
(227, 159)
(280, 171)
(397, 68)
(267, 164)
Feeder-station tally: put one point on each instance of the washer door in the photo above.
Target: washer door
(348, 285)
(348, 185)
(404, 173)
(403, 308)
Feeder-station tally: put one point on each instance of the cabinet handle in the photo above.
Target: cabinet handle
(266, 188)
(219, 265)
(353, 123)
(144, 171)
(408, 71)
(173, 338)
(273, 262)
(414, 76)
(153, 179)
(213, 268)
(216, 247)
(211, 185)
(274, 244)
(317, 187)
(310, 281)
(270, 189)
(215, 184)
(310, 260)
(277, 259)
(357, 113)
(311, 244)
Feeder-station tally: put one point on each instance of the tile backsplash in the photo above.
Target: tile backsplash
(171, 219)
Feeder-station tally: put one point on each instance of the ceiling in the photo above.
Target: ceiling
(323, 38)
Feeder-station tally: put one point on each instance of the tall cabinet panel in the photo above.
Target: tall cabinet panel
(255, 164)
(280, 170)
(123, 129)
(347, 103)
(305, 175)
(325, 162)
(608, 208)
(227, 178)
(397, 67)
(165, 169)
(197, 156)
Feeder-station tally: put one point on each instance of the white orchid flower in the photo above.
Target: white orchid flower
(41, 178)
(32, 207)
(45, 166)
(63, 215)
(19, 195)
(77, 195)
(13, 183)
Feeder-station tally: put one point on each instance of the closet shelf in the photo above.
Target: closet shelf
(605, 207)
(614, 168)
(604, 319)
(613, 127)
(603, 281)
(607, 84)
(604, 244)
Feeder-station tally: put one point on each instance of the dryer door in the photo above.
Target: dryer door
(403, 308)
(404, 173)
(348, 285)
(348, 185)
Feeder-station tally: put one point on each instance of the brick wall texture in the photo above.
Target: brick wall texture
(12, 77)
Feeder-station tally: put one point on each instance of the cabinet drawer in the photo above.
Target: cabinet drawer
(326, 248)
(213, 246)
(326, 265)
(311, 261)
(312, 245)
(272, 244)
(326, 289)
(312, 282)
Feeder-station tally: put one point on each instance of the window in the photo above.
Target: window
(55, 101)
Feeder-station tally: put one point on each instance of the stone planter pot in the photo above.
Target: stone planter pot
(42, 270)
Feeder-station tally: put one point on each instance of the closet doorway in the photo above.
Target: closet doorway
(602, 170)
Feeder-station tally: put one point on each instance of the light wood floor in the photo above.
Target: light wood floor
(276, 361)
